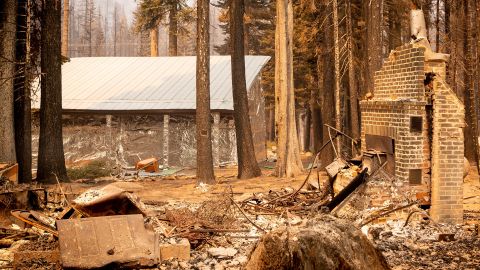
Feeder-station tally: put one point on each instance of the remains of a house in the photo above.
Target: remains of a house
(404, 202)
(414, 123)
(133, 108)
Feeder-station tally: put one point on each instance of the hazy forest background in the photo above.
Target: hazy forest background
(337, 47)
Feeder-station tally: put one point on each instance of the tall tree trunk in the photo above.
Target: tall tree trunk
(115, 30)
(154, 42)
(327, 98)
(457, 35)
(374, 40)
(66, 24)
(247, 162)
(51, 159)
(308, 129)
(446, 21)
(173, 30)
(338, 118)
(271, 124)
(289, 163)
(437, 27)
(471, 97)
(427, 10)
(477, 76)
(22, 104)
(90, 34)
(395, 28)
(8, 10)
(315, 103)
(352, 83)
(204, 131)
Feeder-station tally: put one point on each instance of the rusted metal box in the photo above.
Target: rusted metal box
(114, 241)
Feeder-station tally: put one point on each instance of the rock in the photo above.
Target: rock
(184, 265)
(234, 263)
(323, 243)
(242, 259)
(222, 252)
(180, 250)
(218, 266)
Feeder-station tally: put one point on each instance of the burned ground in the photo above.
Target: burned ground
(223, 238)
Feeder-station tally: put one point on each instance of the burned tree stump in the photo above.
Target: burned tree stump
(323, 243)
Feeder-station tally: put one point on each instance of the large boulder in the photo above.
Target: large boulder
(322, 243)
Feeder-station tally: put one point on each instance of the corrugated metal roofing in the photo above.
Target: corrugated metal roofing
(148, 83)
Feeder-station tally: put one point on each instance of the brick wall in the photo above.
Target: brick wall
(392, 119)
(402, 74)
(399, 94)
(447, 155)
(431, 152)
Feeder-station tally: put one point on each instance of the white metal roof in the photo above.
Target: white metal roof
(147, 83)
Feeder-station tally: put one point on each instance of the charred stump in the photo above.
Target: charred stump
(322, 243)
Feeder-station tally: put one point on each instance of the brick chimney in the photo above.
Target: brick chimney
(421, 123)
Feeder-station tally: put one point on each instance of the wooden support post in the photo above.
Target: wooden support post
(216, 139)
(166, 122)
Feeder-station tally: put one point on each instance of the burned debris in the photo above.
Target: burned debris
(393, 198)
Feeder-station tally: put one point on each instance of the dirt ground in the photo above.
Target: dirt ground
(405, 247)
(185, 188)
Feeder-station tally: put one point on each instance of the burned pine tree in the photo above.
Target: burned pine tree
(66, 25)
(22, 102)
(173, 29)
(51, 158)
(374, 11)
(203, 123)
(288, 161)
(8, 10)
(247, 163)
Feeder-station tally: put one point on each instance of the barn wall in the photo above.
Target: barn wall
(256, 104)
(134, 137)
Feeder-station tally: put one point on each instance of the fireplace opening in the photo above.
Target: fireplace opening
(384, 146)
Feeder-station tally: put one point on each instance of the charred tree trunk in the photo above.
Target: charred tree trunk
(338, 118)
(327, 99)
(51, 159)
(447, 24)
(203, 123)
(173, 30)
(22, 104)
(471, 98)
(395, 28)
(315, 104)
(308, 129)
(8, 9)
(247, 162)
(457, 42)
(374, 40)
(154, 42)
(289, 163)
(115, 32)
(437, 27)
(66, 24)
(352, 83)
(271, 124)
